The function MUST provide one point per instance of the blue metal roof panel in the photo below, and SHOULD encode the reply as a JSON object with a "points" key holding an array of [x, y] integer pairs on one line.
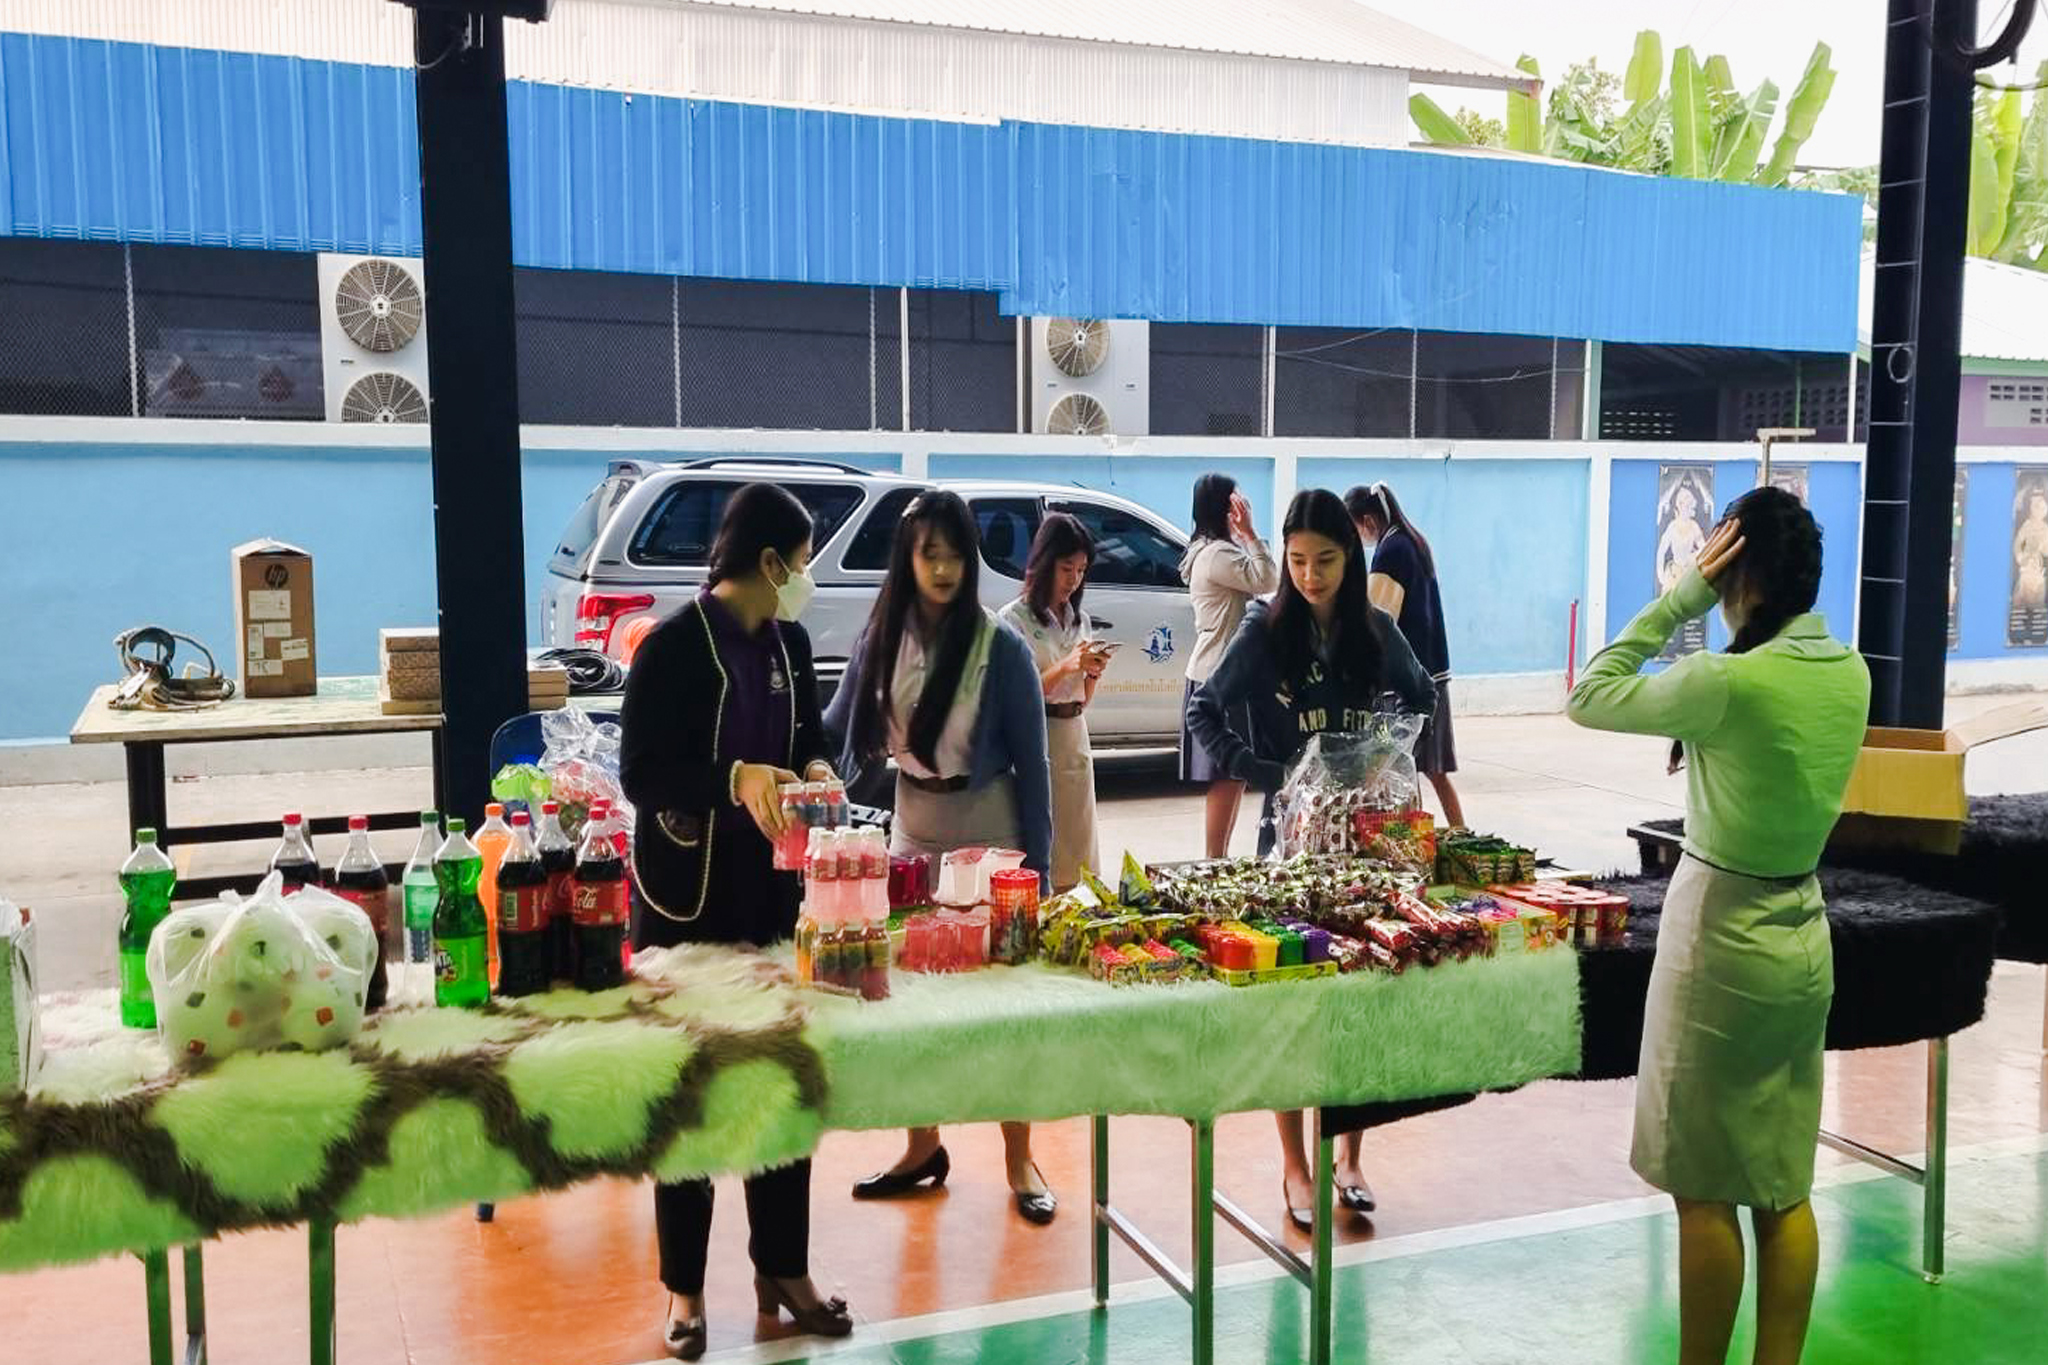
{"points": [[124, 141], [1204, 229]]}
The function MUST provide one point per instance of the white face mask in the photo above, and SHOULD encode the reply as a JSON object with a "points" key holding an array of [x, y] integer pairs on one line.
{"points": [[793, 594]]}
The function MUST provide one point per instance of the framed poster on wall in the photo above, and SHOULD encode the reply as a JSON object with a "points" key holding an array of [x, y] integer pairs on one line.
{"points": [[1685, 509], [1955, 561], [2027, 625], [1793, 479]]}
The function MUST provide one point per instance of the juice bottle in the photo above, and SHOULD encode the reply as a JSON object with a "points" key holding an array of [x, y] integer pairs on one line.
{"points": [[147, 880], [493, 837]]}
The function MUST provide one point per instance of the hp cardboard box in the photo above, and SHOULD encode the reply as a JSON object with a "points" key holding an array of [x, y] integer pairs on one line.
{"points": [[274, 619], [1907, 790]]}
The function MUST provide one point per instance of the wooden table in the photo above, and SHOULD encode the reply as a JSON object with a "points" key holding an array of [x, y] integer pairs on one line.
{"points": [[342, 706]]}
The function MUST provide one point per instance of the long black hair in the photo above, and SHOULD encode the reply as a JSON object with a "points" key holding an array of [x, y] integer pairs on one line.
{"points": [[1778, 571], [1212, 506], [760, 516], [944, 515], [1061, 534], [1378, 502], [1356, 654]]}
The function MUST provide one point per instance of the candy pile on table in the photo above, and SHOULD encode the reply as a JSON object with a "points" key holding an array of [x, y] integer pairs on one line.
{"points": [[1467, 859]]}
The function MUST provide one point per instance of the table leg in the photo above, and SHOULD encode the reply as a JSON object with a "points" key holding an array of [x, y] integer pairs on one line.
{"points": [[1934, 1188], [1321, 1297], [1098, 1165], [156, 1294], [1203, 1243], [148, 801], [320, 1289], [195, 1304]]}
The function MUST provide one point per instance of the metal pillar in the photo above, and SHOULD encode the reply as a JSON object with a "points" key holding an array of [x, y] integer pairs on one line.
{"points": [[1915, 349], [1931, 1178], [1197, 1284], [479, 543], [320, 1289]]}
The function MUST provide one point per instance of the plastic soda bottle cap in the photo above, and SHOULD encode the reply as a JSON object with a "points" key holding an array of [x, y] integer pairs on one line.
{"points": [[358, 823], [493, 808], [145, 836], [550, 808], [457, 825], [520, 817], [293, 818]]}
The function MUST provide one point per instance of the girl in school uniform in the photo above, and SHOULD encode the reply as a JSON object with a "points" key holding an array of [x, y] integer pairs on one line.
{"points": [[950, 693]]}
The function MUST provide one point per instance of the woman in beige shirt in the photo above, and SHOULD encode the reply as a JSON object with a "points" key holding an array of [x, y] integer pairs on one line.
{"points": [[1225, 567]]}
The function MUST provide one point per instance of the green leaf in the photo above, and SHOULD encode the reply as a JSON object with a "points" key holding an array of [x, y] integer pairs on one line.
{"points": [[1802, 112], [1741, 140], [1525, 119], [1987, 208], [1436, 126], [1720, 77], [1691, 131], [2006, 126], [1645, 69]]}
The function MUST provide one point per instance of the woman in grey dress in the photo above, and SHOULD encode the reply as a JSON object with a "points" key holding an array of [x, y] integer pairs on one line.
{"points": [[1728, 1091]]}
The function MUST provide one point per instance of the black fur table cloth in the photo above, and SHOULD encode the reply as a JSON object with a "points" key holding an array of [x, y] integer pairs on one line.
{"points": [[1911, 963], [2003, 862]]}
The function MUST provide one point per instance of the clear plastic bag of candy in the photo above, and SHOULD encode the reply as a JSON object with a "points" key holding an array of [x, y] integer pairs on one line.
{"points": [[263, 973], [581, 759], [1340, 777]]}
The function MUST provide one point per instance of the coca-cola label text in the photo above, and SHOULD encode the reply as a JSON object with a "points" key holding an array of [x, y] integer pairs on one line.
{"points": [[598, 903], [375, 904]]}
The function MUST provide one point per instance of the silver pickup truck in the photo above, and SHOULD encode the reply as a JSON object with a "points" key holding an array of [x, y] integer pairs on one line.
{"points": [[637, 548]]}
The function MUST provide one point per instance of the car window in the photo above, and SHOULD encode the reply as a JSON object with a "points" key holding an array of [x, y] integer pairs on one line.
{"points": [[1129, 552], [679, 530], [870, 546], [580, 535], [1007, 526]]}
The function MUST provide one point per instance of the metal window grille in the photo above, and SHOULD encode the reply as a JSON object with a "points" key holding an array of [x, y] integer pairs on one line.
{"points": [[1207, 379], [963, 362], [1331, 381], [64, 329]]}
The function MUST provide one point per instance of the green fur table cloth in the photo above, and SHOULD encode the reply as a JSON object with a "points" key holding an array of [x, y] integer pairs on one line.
{"points": [[1039, 1043], [701, 1069]]}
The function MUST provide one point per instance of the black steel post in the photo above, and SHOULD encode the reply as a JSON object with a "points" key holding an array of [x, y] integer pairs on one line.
{"points": [[479, 545], [1915, 360]]}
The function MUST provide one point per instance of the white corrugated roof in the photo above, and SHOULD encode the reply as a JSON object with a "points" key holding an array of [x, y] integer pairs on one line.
{"points": [[1339, 31], [2005, 310]]}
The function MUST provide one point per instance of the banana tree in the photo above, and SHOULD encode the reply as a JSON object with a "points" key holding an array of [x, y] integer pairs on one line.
{"points": [[1700, 127]]}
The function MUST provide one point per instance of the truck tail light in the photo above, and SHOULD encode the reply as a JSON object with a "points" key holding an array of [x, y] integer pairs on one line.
{"points": [[598, 613]]}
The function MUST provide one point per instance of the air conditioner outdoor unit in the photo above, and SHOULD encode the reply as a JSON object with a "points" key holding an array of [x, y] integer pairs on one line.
{"points": [[1091, 377], [373, 339]]}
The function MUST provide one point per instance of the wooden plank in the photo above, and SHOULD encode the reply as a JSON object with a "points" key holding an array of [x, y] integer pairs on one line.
{"points": [[342, 706]]}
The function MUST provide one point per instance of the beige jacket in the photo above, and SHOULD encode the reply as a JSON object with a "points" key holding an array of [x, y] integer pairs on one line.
{"points": [[1223, 577]]}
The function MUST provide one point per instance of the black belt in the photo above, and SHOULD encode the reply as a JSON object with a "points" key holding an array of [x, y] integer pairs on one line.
{"points": [[1792, 882], [1063, 710], [936, 786]]}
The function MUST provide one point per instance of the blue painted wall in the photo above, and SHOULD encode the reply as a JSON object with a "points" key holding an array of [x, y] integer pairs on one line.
{"points": [[1834, 494], [1509, 537], [120, 141], [100, 538]]}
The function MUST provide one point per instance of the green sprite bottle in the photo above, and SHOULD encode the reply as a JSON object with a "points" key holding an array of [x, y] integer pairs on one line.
{"points": [[421, 896], [461, 962], [147, 880]]}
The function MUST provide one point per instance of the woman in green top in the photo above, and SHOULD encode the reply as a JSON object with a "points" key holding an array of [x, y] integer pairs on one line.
{"points": [[1729, 1086]]}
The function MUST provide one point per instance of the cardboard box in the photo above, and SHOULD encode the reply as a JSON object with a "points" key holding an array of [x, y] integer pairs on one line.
{"points": [[1907, 790], [274, 620], [21, 1039]]}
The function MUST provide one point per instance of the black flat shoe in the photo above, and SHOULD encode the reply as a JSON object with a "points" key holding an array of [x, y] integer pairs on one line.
{"points": [[889, 1184], [684, 1338], [1358, 1198], [1037, 1207]]}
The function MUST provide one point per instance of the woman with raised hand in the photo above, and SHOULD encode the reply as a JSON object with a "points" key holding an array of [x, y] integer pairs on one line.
{"points": [[1226, 566], [1728, 1090]]}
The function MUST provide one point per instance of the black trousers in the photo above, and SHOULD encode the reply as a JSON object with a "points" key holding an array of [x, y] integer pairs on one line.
{"points": [[778, 1226]]}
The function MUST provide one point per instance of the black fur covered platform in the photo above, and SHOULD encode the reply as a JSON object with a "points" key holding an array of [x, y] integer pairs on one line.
{"points": [[1910, 963], [2003, 862]]}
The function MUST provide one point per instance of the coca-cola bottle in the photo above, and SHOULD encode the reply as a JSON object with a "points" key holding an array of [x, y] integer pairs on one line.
{"points": [[524, 965], [360, 878], [294, 859], [558, 861], [598, 906]]}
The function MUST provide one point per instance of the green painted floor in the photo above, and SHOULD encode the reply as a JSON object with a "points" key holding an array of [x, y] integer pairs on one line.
{"points": [[1596, 1294]]}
